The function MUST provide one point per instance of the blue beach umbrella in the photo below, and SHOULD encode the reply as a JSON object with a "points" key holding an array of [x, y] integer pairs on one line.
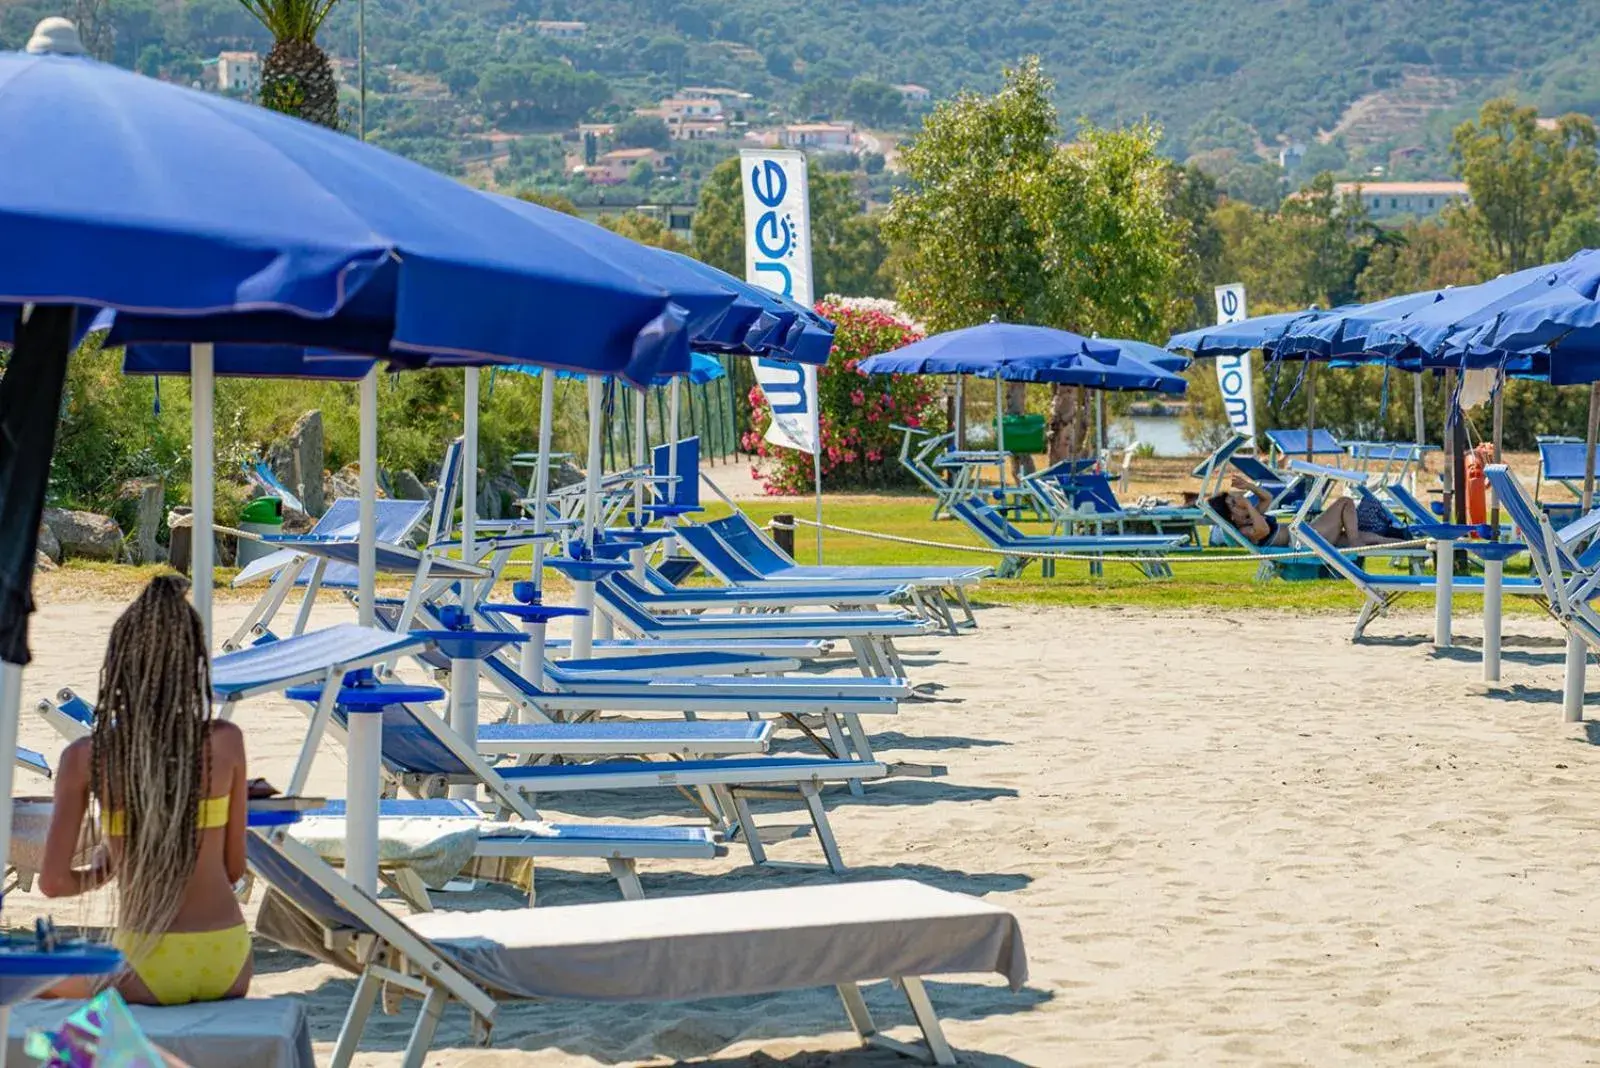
{"points": [[1027, 354], [1235, 339], [202, 220]]}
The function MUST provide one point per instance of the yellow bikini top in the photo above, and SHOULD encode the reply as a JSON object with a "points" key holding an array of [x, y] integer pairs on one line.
{"points": [[213, 815]]}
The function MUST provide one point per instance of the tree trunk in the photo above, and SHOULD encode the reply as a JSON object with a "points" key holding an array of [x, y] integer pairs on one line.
{"points": [[1070, 423], [1017, 404], [297, 79]]}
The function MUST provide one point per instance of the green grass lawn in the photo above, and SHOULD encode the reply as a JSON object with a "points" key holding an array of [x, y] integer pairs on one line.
{"points": [[1214, 579]]}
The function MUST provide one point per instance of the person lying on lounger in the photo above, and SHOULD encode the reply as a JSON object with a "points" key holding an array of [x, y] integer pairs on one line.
{"points": [[1339, 521], [172, 798]]}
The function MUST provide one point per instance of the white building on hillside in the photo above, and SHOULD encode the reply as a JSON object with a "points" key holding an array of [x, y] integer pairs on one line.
{"points": [[239, 72], [914, 94], [1420, 199], [824, 136], [561, 31]]}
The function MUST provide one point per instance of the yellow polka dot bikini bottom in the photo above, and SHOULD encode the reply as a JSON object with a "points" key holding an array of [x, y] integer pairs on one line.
{"points": [[185, 966]]}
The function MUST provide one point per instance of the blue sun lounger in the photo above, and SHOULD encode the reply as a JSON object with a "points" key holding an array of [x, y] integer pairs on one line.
{"points": [[697, 948], [30, 760], [423, 754], [1566, 560], [870, 634], [740, 547], [73, 718], [839, 707], [998, 532], [1074, 496], [769, 597], [294, 565], [1286, 445], [1380, 590]]}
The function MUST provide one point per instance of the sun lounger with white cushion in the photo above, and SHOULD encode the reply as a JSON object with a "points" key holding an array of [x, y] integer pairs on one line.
{"points": [[671, 949]]}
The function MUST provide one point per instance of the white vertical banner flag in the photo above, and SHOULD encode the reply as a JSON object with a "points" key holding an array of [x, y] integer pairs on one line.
{"points": [[777, 256], [1234, 375]]}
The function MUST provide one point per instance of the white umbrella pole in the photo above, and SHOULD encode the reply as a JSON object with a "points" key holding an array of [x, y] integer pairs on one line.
{"points": [[583, 592], [364, 731], [1577, 650], [1493, 566], [533, 650], [641, 454], [464, 673], [202, 454]]}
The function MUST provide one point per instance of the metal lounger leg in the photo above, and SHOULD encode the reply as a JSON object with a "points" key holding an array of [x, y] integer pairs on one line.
{"points": [[626, 874], [267, 607], [819, 820], [427, 1022], [747, 826], [355, 1018], [314, 733], [855, 1007], [927, 1019], [302, 618]]}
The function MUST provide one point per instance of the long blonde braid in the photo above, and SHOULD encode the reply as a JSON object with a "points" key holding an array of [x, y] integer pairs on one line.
{"points": [[148, 753]]}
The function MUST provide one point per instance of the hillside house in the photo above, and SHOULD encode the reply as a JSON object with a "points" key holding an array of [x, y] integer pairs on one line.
{"points": [[239, 72], [561, 31], [818, 136], [1393, 199], [616, 166], [914, 94]]}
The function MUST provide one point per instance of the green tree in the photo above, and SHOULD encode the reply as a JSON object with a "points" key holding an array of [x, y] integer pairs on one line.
{"points": [[646, 230], [643, 131], [297, 77], [875, 104], [1000, 221], [1526, 179]]}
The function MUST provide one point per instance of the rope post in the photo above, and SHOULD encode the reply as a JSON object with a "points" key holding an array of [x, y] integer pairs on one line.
{"points": [[782, 531]]}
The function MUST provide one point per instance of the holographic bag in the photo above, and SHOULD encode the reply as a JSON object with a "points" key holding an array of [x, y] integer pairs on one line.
{"points": [[100, 1034]]}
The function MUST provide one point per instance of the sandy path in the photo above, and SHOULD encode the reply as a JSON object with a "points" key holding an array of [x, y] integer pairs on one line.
{"points": [[1230, 840]]}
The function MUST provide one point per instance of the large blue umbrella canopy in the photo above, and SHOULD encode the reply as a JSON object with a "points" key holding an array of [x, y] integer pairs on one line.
{"points": [[1559, 328], [243, 361], [1444, 332], [1023, 353], [1235, 339], [1342, 334], [166, 203], [1154, 355]]}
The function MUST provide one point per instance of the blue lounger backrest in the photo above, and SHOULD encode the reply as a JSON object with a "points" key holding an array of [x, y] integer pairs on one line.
{"points": [[745, 540], [1293, 442], [262, 667], [285, 876], [1092, 489], [704, 543], [984, 521], [1525, 517], [1562, 461], [444, 497], [1256, 471], [685, 492], [1342, 563]]}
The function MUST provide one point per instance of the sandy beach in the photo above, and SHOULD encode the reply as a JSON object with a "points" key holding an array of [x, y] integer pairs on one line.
{"points": [[1229, 839]]}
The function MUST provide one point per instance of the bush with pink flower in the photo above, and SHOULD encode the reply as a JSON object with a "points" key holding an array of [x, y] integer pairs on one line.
{"points": [[859, 448]]}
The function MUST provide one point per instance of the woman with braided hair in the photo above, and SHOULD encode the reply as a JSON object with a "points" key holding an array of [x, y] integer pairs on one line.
{"points": [[163, 789]]}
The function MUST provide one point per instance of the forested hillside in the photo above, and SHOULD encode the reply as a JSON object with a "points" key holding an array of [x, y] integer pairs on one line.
{"points": [[1385, 76]]}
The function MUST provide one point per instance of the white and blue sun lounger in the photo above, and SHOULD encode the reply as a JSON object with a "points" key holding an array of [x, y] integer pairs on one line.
{"points": [[422, 754], [769, 597], [618, 844], [937, 590], [757, 942], [1382, 590], [999, 534], [871, 634]]}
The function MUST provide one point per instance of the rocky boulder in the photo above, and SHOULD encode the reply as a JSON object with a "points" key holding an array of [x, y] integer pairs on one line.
{"points": [[84, 534], [41, 562], [49, 547], [408, 487], [297, 460]]}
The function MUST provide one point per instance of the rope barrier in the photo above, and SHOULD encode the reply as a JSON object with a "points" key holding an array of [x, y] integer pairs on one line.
{"points": [[1137, 558]]}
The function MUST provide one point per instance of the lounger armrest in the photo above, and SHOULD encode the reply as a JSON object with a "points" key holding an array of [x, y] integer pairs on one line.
{"points": [[1451, 531]]}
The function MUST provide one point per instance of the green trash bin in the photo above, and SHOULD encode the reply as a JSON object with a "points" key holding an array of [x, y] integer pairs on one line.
{"points": [[1024, 433], [264, 515]]}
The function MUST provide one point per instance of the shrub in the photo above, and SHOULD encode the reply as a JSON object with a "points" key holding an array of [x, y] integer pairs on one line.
{"points": [[858, 446]]}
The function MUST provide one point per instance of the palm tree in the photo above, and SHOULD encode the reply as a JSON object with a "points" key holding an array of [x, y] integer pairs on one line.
{"points": [[296, 77]]}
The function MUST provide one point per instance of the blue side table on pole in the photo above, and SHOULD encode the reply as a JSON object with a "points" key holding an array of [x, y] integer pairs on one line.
{"points": [[584, 572], [529, 607], [360, 693], [466, 647]]}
